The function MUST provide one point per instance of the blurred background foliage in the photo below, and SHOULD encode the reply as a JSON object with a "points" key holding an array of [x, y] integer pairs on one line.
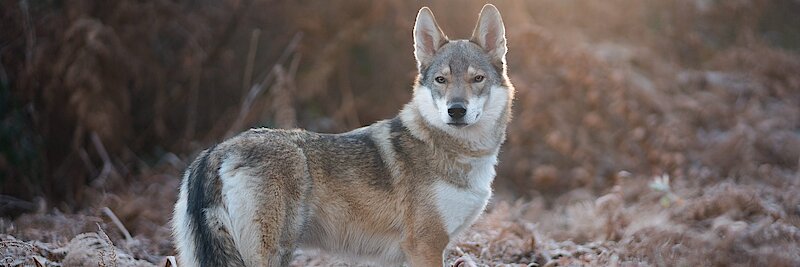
{"points": [[95, 93], [646, 132]]}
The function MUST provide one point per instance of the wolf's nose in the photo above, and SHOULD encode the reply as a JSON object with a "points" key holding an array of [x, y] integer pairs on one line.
{"points": [[456, 111]]}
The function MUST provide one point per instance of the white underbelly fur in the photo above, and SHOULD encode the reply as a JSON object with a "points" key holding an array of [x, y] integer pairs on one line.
{"points": [[459, 207]]}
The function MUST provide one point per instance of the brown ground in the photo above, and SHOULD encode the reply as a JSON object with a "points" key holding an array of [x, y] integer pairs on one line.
{"points": [[645, 132]]}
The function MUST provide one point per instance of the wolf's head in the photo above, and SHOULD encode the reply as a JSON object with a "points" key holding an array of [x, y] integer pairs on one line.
{"points": [[461, 83]]}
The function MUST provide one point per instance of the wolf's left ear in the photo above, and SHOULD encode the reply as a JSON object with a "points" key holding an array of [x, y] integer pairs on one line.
{"points": [[427, 37], [490, 33]]}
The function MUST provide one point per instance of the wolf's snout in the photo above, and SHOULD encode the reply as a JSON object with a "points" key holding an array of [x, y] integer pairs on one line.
{"points": [[456, 111]]}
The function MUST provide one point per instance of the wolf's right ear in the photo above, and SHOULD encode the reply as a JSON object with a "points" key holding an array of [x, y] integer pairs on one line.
{"points": [[428, 37]]}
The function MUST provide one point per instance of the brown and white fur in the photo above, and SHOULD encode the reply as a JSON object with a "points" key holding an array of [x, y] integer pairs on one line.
{"points": [[397, 191]]}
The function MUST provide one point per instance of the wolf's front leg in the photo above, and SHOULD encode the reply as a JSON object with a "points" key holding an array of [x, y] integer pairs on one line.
{"points": [[425, 240]]}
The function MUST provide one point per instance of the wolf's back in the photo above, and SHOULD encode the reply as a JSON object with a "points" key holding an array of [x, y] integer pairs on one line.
{"points": [[201, 237]]}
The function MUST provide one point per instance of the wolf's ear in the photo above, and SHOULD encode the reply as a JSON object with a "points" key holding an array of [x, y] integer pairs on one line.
{"points": [[490, 33], [427, 37]]}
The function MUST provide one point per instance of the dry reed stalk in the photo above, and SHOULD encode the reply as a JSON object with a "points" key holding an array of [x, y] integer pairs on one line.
{"points": [[258, 88]]}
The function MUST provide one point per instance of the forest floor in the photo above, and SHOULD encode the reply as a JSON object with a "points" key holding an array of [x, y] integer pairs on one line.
{"points": [[750, 224]]}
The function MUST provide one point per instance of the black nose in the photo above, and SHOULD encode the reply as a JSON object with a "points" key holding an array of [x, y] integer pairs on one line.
{"points": [[456, 111]]}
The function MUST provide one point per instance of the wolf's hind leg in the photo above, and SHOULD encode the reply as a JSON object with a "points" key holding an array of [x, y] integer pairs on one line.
{"points": [[267, 204]]}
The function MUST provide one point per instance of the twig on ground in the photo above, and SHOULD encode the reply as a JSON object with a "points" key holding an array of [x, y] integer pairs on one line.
{"points": [[108, 166], [118, 223]]}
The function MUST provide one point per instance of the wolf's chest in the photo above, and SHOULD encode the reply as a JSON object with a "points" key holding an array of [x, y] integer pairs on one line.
{"points": [[460, 206]]}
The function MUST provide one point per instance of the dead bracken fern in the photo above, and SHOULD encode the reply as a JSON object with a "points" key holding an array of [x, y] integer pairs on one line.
{"points": [[18, 253]]}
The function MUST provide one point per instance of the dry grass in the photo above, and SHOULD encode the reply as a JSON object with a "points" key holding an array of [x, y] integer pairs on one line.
{"points": [[659, 133]]}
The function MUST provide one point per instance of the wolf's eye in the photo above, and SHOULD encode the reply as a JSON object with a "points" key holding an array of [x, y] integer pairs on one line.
{"points": [[479, 78], [440, 79]]}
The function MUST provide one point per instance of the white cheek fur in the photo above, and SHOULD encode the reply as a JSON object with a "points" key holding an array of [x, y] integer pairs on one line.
{"points": [[490, 108], [441, 105], [474, 110], [430, 112]]}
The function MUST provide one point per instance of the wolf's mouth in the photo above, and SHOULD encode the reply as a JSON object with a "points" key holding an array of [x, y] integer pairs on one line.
{"points": [[457, 124]]}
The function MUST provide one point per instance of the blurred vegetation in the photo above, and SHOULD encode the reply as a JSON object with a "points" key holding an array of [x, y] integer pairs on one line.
{"points": [[95, 92]]}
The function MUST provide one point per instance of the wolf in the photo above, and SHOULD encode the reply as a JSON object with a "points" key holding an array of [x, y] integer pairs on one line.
{"points": [[397, 191]]}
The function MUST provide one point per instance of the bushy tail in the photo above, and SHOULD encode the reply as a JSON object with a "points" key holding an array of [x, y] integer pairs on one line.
{"points": [[202, 239]]}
